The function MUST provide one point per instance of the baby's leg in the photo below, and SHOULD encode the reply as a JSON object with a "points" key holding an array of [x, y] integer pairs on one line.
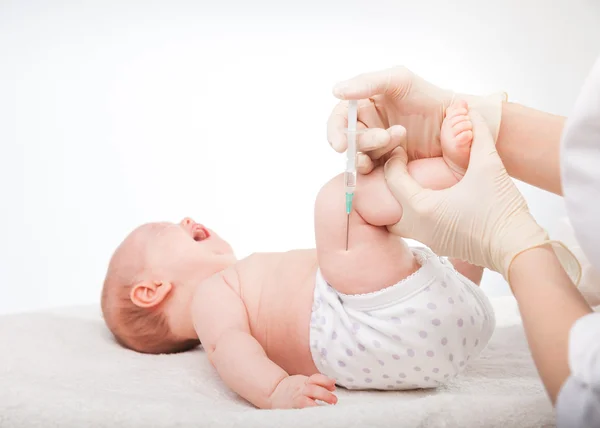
{"points": [[375, 258], [432, 173]]}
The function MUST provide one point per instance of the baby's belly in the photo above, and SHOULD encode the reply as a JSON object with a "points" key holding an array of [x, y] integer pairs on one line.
{"points": [[282, 314], [288, 342]]}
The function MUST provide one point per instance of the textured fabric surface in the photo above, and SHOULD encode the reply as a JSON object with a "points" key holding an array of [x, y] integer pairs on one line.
{"points": [[62, 369]]}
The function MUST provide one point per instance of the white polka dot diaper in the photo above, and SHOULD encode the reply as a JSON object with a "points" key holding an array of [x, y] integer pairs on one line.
{"points": [[418, 333]]}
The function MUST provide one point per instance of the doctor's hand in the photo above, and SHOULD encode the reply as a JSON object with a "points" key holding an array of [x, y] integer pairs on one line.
{"points": [[399, 108], [483, 219]]}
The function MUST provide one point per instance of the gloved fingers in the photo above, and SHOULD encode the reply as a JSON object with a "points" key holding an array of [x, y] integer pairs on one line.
{"points": [[364, 164], [392, 139], [392, 81], [395, 136], [401, 184], [483, 147], [400, 152], [373, 139], [367, 118], [337, 125]]}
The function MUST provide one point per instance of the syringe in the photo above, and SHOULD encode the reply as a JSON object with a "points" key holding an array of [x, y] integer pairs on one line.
{"points": [[350, 173]]}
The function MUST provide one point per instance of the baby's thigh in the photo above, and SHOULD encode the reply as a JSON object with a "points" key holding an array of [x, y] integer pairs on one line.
{"points": [[432, 173]]}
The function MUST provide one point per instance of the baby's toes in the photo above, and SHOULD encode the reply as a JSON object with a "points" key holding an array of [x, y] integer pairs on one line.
{"points": [[460, 126], [461, 120], [456, 144], [464, 139], [458, 108]]}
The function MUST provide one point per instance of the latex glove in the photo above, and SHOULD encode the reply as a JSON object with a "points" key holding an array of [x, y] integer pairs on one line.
{"points": [[297, 392], [399, 108], [483, 219]]}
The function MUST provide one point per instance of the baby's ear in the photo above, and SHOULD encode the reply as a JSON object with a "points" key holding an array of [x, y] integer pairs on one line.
{"points": [[148, 294]]}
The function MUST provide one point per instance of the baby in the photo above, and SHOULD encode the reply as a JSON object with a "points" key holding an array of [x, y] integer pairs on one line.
{"points": [[283, 329]]}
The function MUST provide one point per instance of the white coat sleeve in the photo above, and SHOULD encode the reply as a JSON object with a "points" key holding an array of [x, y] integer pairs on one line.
{"points": [[578, 403], [580, 167]]}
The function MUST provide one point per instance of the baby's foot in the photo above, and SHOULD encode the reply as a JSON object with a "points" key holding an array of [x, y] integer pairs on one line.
{"points": [[456, 137]]}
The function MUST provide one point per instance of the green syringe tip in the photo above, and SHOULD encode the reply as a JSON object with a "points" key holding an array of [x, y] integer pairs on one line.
{"points": [[349, 197]]}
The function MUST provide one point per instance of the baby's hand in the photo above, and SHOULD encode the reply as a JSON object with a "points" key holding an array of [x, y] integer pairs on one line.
{"points": [[297, 392]]}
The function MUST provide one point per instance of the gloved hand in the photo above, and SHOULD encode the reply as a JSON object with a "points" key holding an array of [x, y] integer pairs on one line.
{"points": [[483, 219], [399, 108]]}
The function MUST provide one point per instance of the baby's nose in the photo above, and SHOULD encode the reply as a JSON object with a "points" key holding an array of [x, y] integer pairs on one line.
{"points": [[187, 222]]}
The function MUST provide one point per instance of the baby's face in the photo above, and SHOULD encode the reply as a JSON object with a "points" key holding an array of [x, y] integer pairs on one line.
{"points": [[178, 250]]}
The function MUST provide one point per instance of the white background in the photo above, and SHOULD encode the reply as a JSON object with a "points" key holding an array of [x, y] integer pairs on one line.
{"points": [[118, 113]]}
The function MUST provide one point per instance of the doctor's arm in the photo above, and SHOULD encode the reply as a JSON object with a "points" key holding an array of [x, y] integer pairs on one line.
{"points": [[529, 145], [529, 141], [563, 335], [550, 304]]}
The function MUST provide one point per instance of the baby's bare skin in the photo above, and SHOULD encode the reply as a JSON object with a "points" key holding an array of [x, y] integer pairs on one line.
{"points": [[277, 290], [268, 297], [253, 318]]}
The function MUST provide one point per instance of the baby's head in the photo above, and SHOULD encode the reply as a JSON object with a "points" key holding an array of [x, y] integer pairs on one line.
{"points": [[150, 283]]}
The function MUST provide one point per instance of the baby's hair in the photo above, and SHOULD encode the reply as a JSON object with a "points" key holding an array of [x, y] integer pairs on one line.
{"points": [[144, 330]]}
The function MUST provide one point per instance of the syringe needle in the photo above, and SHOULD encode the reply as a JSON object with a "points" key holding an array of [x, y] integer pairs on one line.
{"points": [[347, 230], [350, 172]]}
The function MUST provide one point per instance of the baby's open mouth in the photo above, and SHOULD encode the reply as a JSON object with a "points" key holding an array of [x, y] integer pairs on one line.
{"points": [[200, 233]]}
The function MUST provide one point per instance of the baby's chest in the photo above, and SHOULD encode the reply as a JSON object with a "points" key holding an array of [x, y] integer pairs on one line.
{"points": [[277, 297], [275, 288], [278, 294]]}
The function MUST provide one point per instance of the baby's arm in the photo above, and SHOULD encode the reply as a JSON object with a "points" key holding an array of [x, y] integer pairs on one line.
{"points": [[375, 258], [221, 322]]}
